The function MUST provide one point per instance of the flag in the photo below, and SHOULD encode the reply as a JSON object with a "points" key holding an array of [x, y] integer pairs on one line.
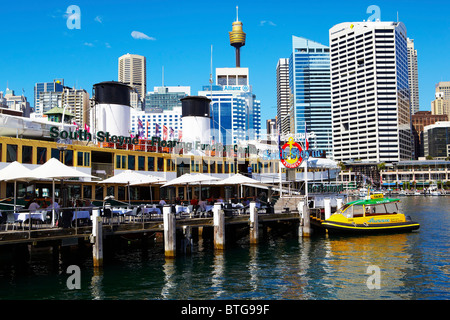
{"points": [[147, 128], [180, 134], [171, 134], [86, 127], [140, 130], [76, 124], [157, 131], [164, 132]]}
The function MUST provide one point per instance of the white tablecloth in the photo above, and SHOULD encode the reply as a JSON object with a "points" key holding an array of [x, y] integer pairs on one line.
{"points": [[121, 211], [208, 208], [152, 210], [180, 209], [81, 215], [22, 216]]}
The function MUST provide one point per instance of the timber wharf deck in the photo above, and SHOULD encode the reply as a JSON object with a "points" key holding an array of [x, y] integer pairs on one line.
{"points": [[112, 227]]}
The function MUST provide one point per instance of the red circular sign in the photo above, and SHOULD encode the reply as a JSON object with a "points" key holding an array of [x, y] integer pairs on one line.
{"points": [[291, 158]]}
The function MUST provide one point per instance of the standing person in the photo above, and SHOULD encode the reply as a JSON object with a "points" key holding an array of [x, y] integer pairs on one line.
{"points": [[54, 205], [162, 202]]}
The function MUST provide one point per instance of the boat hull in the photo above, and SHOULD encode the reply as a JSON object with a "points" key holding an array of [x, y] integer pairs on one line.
{"points": [[342, 227]]}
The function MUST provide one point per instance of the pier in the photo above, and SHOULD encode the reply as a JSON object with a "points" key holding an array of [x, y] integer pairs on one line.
{"points": [[176, 229]]}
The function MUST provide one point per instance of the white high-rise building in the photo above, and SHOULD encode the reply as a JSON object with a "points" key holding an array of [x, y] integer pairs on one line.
{"points": [[369, 92], [413, 78], [77, 103], [133, 71], [283, 95], [235, 111]]}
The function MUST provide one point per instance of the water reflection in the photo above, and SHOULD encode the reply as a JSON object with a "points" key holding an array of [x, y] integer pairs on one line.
{"points": [[217, 276], [97, 285], [253, 268], [169, 282]]}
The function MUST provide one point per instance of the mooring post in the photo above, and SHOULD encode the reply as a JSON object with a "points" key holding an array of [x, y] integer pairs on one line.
{"points": [[254, 229], [219, 227], [306, 221], [170, 242], [97, 238], [327, 207], [339, 203]]}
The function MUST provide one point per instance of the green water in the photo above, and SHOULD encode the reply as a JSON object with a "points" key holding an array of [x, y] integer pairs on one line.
{"points": [[412, 266]]}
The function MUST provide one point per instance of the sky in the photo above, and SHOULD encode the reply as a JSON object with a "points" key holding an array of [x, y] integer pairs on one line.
{"points": [[38, 45]]}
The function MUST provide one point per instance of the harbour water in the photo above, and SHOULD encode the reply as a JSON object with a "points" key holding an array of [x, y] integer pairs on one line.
{"points": [[412, 266]]}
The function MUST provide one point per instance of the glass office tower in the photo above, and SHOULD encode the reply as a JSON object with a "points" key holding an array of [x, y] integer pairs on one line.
{"points": [[310, 103], [56, 86]]}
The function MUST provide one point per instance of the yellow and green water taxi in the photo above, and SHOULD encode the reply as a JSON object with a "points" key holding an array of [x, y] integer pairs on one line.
{"points": [[375, 214]]}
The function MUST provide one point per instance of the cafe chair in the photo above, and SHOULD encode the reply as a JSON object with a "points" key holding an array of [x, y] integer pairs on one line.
{"points": [[10, 219]]}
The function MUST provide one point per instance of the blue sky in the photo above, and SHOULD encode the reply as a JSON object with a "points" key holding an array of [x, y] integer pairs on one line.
{"points": [[37, 45]]}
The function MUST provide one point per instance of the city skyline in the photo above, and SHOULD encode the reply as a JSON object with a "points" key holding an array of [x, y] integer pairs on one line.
{"points": [[179, 41]]}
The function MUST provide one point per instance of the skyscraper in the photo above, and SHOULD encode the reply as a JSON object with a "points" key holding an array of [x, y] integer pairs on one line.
{"points": [[413, 78], [56, 86], [235, 111], [133, 71], [77, 103], [369, 91], [283, 95], [444, 87], [309, 82]]}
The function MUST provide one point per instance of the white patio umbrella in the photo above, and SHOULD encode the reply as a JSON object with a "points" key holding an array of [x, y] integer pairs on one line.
{"points": [[55, 169], [126, 177], [191, 178], [239, 179], [17, 172]]}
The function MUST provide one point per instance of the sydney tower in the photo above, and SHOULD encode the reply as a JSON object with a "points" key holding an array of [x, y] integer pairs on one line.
{"points": [[237, 39]]}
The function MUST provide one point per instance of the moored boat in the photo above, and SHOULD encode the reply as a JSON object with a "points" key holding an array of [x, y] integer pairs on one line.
{"points": [[374, 215]]}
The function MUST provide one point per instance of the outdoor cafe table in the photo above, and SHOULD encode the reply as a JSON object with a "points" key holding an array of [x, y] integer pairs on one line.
{"points": [[180, 209], [81, 215], [121, 211], [22, 216], [152, 210]]}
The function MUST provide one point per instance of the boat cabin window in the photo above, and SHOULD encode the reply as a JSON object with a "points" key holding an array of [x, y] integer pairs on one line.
{"points": [[151, 163], [41, 155], [11, 152], [27, 154]]}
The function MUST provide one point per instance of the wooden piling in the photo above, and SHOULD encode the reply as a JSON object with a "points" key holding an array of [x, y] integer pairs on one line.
{"points": [[170, 242], [254, 228], [97, 238], [327, 207], [219, 227], [307, 230]]}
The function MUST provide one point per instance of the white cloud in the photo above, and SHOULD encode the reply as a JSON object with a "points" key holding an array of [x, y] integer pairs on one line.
{"points": [[88, 44], [140, 35], [98, 19], [107, 45], [268, 22]]}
